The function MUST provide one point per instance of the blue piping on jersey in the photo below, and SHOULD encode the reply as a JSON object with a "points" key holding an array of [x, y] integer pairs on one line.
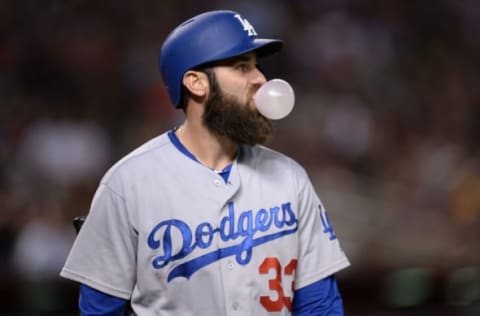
{"points": [[225, 173], [176, 142]]}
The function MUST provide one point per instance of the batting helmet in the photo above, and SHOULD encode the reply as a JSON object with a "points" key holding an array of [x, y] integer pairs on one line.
{"points": [[208, 37]]}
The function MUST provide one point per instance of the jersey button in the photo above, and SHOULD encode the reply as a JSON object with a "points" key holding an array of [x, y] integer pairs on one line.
{"points": [[236, 306], [217, 182], [230, 265]]}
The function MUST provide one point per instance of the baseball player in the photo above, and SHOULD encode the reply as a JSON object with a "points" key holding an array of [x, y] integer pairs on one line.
{"points": [[203, 219]]}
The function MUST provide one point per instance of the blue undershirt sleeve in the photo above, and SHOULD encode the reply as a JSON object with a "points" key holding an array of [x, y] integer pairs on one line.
{"points": [[94, 303], [318, 299]]}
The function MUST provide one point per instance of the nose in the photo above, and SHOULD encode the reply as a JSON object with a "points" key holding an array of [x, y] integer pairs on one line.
{"points": [[258, 77]]}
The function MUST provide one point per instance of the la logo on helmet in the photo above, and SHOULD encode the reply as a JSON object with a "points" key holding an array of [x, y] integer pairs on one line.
{"points": [[246, 25]]}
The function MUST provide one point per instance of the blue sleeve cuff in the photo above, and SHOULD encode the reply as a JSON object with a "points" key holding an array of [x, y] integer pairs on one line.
{"points": [[318, 299], [95, 303]]}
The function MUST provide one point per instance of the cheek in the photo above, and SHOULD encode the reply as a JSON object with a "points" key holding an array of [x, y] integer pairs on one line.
{"points": [[234, 87], [238, 90], [240, 93]]}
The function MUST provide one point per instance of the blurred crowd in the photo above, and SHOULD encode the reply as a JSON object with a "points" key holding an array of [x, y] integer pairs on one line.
{"points": [[386, 121]]}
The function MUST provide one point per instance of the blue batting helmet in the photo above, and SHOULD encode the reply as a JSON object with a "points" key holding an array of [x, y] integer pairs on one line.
{"points": [[208, 37]]}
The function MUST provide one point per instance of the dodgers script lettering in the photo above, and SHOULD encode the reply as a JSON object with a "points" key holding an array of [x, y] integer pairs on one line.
{"points": [[244, 228]]}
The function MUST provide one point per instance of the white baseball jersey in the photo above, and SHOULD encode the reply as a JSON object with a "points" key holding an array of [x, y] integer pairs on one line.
{"points": [[170, 235]]}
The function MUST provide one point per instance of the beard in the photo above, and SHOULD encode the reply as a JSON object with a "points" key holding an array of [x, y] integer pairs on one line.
{"points": [[226, 116]]}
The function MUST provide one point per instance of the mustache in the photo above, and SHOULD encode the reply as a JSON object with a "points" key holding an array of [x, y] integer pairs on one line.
{"points": [[226, 116]]}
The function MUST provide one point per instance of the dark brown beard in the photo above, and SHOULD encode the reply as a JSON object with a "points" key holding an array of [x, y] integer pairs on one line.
{"points": [[225, 116]]}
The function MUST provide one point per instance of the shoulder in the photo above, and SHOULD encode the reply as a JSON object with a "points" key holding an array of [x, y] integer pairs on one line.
{"points": [[262, 157], [142, 158]]}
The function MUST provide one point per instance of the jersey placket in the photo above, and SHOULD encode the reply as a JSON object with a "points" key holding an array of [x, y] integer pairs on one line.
{"points": [[229, 268]]}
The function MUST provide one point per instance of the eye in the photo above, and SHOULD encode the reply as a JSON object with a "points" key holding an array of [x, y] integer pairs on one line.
{"points": [[243, 67]]}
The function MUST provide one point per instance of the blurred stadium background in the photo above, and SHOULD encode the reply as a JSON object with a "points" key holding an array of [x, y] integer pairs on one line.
{"points": [[387, 122]]}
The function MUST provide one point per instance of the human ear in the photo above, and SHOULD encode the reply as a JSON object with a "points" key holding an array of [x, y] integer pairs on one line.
{"points": [[196, 83]]}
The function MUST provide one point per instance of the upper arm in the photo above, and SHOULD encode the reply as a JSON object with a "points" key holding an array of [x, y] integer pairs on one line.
{"points": [[92, 302], [318, 299], [320, 254], [104, 252]]}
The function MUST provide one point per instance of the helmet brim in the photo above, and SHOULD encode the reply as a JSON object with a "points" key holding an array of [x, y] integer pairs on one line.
{"points": [[262, 47]]}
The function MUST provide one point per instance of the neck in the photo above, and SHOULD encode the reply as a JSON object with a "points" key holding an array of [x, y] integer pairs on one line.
{"points": [[211, 150]]}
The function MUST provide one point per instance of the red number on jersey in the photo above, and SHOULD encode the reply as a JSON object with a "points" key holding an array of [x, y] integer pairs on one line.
{"points": [[275, 284]]}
